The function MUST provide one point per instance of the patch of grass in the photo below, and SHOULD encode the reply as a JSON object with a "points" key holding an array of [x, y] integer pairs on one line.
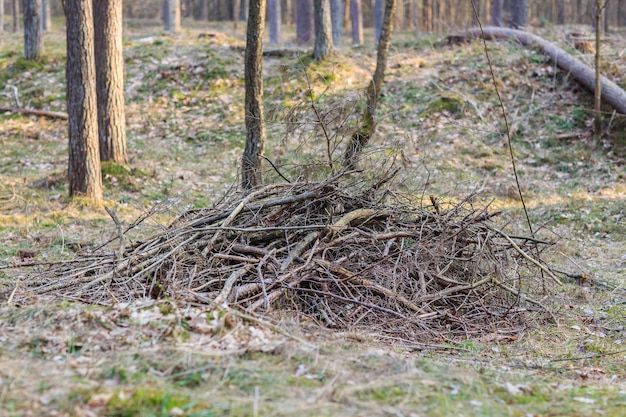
{"points": [[146, 401]]}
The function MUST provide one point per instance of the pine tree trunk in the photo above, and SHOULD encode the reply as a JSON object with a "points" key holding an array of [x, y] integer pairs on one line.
{"points": [[323, 38], [251, 174], [519, 13], [336, 20], [171, 15], [33, 36], [304, 22], [46, 15], [1, 16], [560, 12], [85, 176], [496, 13], [356, 17], [15, 10], [361, 137], [203, 10], [379, 11], [274, 20], [110, 80]]}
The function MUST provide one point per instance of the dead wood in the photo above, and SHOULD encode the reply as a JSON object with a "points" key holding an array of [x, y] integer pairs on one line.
{"points": [[34, 112], [611, 93], [328, 251]]}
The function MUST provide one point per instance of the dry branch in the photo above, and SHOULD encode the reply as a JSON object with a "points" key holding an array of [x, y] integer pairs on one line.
{"points": [[34, 112], [611, 92], [328, 251]]}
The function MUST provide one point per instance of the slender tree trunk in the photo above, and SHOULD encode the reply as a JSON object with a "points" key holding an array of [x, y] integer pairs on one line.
{"points": [[361, 137], [597, 125], [304, 22], [84, 160], [251, 174], [519, 13], [171, 15], [110, 80], [33, 36], [1, 16], [203, 10], [243, 10], [560, 12], [274, 19], [336, 20], [379, 11], [323, 38], [427, 12], [46, 15], [15, 10], [496, 13], [356, 17]]}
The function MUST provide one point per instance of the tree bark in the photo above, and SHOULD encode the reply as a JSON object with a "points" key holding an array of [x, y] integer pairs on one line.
{"points": [[46, 15], [85, 176], [274, 19], [251, 174], [323, 38], [560, 12], [597, 125], [612, 94], [379, 11], [15, 10], [203, 14], [110, 80], [361, 137], [33, 36], [171, 15], [356, 17], [519, 13], [304, 22], [1, 16], [336, 20], [496, 13]]}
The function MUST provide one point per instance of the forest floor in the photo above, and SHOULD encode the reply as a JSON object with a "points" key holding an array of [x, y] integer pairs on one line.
{"points": [[439, 121]]}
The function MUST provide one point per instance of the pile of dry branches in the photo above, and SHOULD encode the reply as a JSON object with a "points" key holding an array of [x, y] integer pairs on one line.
{"points": [[341, 253]]}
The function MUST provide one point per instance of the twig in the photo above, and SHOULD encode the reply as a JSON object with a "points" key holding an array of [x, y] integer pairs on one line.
{"points": [[34, 112]]}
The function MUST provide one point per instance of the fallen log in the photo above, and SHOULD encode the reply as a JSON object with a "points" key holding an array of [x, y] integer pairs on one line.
{"points": [[42, 113], [611, 93]]}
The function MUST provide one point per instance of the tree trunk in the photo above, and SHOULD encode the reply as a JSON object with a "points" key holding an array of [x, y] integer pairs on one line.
{"points": [[84, 160], [356, 17], [1, 16], [496, 13], [304, 22], [560, 12], [427, 12], [336, 20], [379, 10], [203, 11], [519, 13], [251, 174], [274, 19], [611, 93], [108, 25], [171, 15], [597, 125], [46, 15], [323, 38], [33, 36], [361, 137], [243, 10], [15, 10]]}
